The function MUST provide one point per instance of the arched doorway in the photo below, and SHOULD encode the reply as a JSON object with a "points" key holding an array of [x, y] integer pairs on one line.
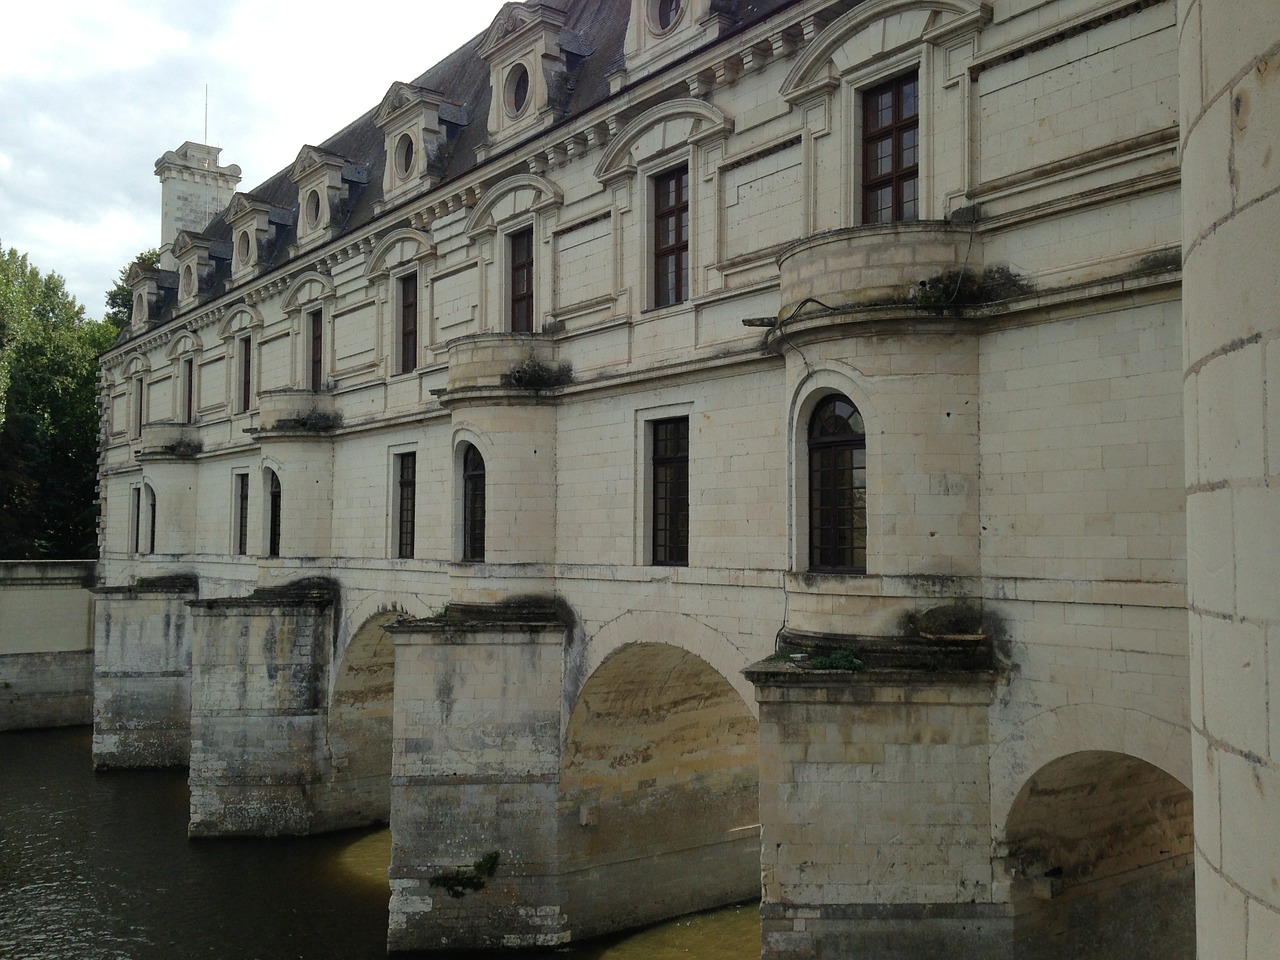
{"points": [[1100, 858], [659, 791]]}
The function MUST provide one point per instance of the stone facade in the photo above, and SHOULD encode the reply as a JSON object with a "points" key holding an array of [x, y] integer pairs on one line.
{"points": [[534, 366]]}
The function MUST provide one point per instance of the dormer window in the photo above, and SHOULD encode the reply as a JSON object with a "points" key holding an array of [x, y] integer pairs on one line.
{"points": [[328, 186], [414, 133], [256, 225], [532, 59], [660, 32], [196, 254]]}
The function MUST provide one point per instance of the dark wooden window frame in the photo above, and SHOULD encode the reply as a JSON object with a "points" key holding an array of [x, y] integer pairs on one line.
{"points": [[473, 504], [406, 503], [188, 389], [891, 149], [837, 447], [245, 396], [520, 280], [670, 500], [671, 237], [242, 514], [315, 332], [139, 393], [408, 322], [136, 509], [275, 503]]}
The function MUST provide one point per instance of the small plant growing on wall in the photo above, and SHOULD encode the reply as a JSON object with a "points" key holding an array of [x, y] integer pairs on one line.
{"points": [[458, 883], [534, 375], [960, 619]]}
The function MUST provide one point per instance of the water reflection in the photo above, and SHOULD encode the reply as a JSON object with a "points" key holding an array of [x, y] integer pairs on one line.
{"points": [[98, 867]]}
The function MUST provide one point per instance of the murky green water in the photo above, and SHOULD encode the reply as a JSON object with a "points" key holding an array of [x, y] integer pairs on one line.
{"points": [[98, 867]]}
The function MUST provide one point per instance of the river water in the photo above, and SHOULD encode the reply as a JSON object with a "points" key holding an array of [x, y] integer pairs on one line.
{"points": [[99, 867]]}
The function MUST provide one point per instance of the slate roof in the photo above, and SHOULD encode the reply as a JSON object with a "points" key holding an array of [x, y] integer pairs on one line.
{"points": [[598, 26]]}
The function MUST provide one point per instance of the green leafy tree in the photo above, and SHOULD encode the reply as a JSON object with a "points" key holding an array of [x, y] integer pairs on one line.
{"points": [[48, 416], [120, 297]]}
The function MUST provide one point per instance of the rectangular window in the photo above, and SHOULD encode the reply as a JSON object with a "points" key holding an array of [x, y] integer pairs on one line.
{"points": [[521, 281], [315, 324], [671, 237], [408, 323], [135, 520], [245, 393], [188, 389], [242, 514], [890, 151], [406, 502], [138, 389], [671, 491]]}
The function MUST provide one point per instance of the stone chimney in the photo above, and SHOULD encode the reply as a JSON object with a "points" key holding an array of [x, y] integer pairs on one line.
{"points": [[193, 190]]}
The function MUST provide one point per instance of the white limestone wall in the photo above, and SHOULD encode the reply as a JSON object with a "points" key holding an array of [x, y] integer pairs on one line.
{"points": [[1230, 89]]}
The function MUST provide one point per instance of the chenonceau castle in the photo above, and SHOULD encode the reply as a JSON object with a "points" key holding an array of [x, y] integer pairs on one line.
{"points": [[673, 452]]}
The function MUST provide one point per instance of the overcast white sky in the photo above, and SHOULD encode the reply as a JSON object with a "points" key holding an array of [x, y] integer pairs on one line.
{"points": [[93, 91]]}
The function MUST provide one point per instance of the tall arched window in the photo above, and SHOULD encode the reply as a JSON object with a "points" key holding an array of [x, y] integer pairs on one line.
{"points": [[837, 487], [273, 514], [472, 504]]}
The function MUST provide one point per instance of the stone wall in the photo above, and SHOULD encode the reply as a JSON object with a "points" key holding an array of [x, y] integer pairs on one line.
{"points": [[46, 643], [1229, 83]]}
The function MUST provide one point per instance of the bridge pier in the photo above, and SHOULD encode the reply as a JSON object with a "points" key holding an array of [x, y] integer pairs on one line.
{"points": [[475, 771], [875, 811], [142, 673], [260, 668]]}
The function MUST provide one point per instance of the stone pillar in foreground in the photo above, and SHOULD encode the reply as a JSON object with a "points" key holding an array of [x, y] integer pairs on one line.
{"points": [[260, 668], [875, 814], [475, 780], [1229, 68]]}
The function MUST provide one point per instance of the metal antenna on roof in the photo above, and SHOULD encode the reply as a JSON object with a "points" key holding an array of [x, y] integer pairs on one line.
{"points": [[206, 113]]}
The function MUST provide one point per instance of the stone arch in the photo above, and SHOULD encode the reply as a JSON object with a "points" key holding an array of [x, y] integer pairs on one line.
{"points": [[659, 784], [137, 365], [306, 288], [359, 721], [1082, 728], [1098, 854], [184, 342], [545, 194], [904, 22], [640, 626], [707, 123], [397, 247], [242, 317]]}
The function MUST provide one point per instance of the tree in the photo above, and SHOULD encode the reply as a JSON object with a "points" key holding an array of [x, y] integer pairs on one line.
{"points": [[120, 297], [48, 416]]}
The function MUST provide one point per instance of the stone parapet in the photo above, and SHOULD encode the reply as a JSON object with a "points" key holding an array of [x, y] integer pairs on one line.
{"points": [[887, 263]]}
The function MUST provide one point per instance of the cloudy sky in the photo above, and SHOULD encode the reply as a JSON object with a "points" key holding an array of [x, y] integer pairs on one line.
{"points": [[93, 91]]}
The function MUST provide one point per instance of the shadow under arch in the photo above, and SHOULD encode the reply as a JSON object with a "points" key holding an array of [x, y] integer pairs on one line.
{"points": [[360, 720], [659, 787], [1099, 855]]}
